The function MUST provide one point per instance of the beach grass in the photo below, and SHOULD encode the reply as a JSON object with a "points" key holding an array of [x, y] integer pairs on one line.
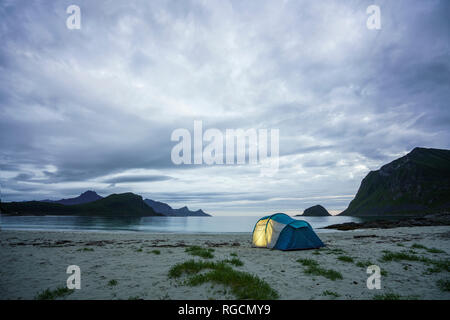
{"points": [[243, 285], [334, 251], [112, 283], [437, 265], [444, 285], [393, 296], [387, 296], [346, 259], [200, 252], [233, 254], [235, 261], [330, 293], [364, 264], [313, 268], [400, 256], [430, 250], [53, 294], [157, 252]]}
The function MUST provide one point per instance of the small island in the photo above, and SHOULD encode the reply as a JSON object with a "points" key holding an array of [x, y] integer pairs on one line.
{"points": [[315, 211]]}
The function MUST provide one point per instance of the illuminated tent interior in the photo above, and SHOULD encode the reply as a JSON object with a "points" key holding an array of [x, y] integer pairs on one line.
{"points": [[279, 231]]}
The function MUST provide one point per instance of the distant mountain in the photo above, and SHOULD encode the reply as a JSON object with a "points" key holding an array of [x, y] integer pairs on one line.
{"points": [[85, 197], [159, 207], [185, 212], [125, 204], [167, 210], [315, 211], [416, 183]]}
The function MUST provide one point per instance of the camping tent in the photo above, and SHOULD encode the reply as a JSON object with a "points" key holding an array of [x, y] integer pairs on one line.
{"points": [[279, 231]]}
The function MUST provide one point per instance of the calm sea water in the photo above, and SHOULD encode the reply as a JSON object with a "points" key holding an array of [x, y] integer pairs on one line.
{"points": [[219, 224]]}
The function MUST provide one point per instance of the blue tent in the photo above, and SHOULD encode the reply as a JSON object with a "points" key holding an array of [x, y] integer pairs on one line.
{"points": [[279, 231]]}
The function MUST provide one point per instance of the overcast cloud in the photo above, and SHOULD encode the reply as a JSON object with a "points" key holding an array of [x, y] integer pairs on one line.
{"points": [[95, 108]]}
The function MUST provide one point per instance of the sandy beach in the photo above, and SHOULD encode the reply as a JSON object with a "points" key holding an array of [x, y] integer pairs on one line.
{"points": [[126, 265]]}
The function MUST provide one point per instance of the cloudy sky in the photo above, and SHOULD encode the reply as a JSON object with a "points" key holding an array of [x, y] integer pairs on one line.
{"points": [[94, 108]]}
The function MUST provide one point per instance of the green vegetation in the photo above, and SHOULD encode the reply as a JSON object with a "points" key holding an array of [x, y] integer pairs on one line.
{"points": [[430, 250], [139, 250], [200, 252], [85, 249], [53, 294], [345, 258], [387, 296], [434, 250], [437, 265], [418, 246], [364, 264], [155, 252], [242, 284], [234, 261], [444, 284], [312, 267], [112, 283], [393, 296], [398, 256], [330, 293], [233, 254], [334, 251]]}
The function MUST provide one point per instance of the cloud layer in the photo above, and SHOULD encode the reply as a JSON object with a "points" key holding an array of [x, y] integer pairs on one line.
{"points": [[95, 108]]}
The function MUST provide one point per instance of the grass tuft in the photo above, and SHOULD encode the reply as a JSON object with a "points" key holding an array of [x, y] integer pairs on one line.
{"points": [[330, 293], [345, 258], [200, 252], [444, 284], [364, 264], [438, 265], [155, 252], [387, 296], [235, 261], [112, 282], [312, 267], [430, 250], [393, 296], [334, 251], [53, 294], [242, 284]]}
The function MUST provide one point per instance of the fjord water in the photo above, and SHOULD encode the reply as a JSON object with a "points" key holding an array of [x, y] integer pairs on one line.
{"points": [[216, 224]]}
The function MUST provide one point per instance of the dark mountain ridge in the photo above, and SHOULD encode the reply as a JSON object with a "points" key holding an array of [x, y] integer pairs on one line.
{"points": [[417, 183], [85, 197], [124, 204], [167, 210], [90, 203]]}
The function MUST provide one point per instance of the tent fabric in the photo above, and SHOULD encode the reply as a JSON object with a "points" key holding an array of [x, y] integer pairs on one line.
{"points": [[279, 231]]}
